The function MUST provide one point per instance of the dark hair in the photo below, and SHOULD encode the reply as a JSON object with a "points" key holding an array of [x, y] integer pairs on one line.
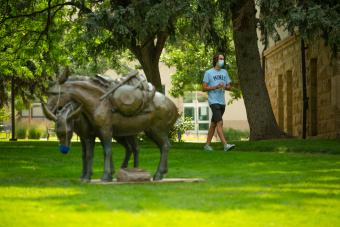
{"points": [[215, 58]]}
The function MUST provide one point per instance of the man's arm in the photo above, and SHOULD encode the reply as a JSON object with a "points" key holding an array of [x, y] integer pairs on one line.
{"points": [[210, 88]]}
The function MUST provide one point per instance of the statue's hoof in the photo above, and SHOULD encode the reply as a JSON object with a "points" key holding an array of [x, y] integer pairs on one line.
{"points": [[106, 179], [85, 180], [157, 177]]}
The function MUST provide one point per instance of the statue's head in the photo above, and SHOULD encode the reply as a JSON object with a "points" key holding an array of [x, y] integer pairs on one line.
{"points": [[64, 123], [57, 99]]}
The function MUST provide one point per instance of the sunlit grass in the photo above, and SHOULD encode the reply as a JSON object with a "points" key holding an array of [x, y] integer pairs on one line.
{"points": [[246, 187]]}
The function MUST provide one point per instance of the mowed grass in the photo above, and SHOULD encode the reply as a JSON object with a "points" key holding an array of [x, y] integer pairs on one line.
{"points": [[268, 183]]}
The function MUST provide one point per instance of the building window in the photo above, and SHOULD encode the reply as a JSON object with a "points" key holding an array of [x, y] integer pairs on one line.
{"points": [[203, 113], [189, 112], [197, 108]]}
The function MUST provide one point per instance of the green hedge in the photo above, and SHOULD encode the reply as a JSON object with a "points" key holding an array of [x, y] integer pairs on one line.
{"points": [[21, 132], [236, 135], [34, 133]]}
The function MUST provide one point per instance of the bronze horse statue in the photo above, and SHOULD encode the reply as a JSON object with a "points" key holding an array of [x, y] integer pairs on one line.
{"points": [[155, 123], [69, 118]]}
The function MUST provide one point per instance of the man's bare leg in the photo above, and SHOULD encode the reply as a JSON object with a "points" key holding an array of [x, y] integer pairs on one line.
{"points": [[211, 132], [220, 133]]}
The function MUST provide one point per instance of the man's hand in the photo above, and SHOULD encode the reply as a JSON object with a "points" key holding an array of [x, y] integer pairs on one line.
{"points": [[228, 87], [208, 88], [220, 85]]}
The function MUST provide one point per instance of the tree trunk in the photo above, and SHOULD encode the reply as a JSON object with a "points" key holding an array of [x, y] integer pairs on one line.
{"points": [[150, 66], [260, 115], [148, 56]]}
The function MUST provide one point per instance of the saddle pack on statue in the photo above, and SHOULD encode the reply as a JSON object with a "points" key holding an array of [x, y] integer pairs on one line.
{"points": [[130, 95]]}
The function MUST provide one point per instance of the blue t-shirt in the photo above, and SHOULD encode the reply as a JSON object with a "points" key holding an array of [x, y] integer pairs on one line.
{"points": [[213, 77]]}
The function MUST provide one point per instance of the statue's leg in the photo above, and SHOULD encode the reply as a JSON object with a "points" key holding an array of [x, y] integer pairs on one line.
{"points": [[83, 156], [162, 141], [89, 158], [132, 148], [123, 141], [135, 150], [108, 165]]}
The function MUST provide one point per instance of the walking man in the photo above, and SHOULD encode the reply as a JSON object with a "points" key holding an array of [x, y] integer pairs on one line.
{"points": [[216, 80]]}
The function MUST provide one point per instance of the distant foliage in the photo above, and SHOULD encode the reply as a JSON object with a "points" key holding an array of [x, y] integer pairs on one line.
{"points": [[311, 19], [34, 133], [4, 114], [21, 132], [236, 135], [180, 127]]}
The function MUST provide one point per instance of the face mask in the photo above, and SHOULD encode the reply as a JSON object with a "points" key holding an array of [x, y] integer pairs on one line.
{"points": [[220, 63]]}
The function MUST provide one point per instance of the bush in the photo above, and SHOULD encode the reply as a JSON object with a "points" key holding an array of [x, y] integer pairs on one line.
{"points": [[44, 134], [180, 127], [34, 133], [235, 135], [21, 132]]}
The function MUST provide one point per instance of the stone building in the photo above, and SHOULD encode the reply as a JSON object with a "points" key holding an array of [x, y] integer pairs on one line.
{"points": [[284, 82]]}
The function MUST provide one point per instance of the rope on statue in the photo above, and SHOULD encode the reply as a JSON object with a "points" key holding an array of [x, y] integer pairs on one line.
{"points": [[112, 89]]}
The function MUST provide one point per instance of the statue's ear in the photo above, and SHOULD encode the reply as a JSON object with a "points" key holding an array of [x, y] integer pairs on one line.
{"points": [[64, 76], [48, 113]]}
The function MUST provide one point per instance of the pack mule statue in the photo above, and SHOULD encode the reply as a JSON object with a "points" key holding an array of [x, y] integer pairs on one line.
{"points": [[155, 119], [69, 118]]}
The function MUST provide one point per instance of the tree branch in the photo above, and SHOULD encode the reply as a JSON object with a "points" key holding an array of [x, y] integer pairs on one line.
{"points": [[77, 4], [161, 39], [136, 50]]}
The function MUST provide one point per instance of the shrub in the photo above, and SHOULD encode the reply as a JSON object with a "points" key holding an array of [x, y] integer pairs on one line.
{"points": [[34, 133], [21, 132], [44, 134], [234, 134], [180, 127]]}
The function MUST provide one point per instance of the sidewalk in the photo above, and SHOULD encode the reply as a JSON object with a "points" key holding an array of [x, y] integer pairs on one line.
{"points": [[198, 138]]}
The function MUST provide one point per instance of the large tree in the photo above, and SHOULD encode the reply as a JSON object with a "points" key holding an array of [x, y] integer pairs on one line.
{"points": [[260, 115], [107, 26]]}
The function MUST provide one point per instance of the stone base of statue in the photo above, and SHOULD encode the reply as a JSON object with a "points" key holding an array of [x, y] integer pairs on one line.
{"points": [[151, 181], [133, 175]]}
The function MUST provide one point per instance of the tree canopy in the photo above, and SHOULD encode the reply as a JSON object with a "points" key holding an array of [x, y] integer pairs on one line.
{"points": [[37, 36], [311, 19]]}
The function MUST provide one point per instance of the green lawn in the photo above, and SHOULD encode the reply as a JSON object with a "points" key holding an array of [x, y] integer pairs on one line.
{"points": [[269, 183]]}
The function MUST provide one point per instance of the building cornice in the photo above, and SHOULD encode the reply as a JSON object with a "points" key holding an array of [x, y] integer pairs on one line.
{"points": [[280, 45]]}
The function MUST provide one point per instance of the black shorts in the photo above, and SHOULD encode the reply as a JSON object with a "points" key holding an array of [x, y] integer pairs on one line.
{"points": [[217, 112]]}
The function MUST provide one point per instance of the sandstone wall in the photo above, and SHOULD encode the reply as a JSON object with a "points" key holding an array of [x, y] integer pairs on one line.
{"points": [[284, 83]]}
